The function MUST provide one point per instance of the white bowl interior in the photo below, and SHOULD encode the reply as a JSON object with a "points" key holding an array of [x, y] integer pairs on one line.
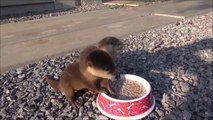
{"points": [[133, 78]]}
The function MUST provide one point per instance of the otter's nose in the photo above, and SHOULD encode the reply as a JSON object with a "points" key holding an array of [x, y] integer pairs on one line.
{"points": [[116, 75], [115, 72]]}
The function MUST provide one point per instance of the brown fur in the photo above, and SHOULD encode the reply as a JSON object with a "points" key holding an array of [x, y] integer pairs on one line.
{"points": [[111, 45], [77, 76]]}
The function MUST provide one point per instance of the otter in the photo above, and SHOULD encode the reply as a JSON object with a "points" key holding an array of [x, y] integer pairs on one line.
{"points": [[95, 65], [111, 45]]}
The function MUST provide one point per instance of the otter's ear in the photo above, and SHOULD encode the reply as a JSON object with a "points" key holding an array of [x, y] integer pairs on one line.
{"points": [[89, 63], [99, 45]]}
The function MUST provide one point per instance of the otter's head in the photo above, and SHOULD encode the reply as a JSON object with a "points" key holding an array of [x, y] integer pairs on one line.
{"points": [[100, 64], [110, 44]]}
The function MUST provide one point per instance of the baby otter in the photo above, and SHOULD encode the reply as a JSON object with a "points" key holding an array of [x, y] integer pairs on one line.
{"points": [[102, 83], [111, 45], [95, 65]]}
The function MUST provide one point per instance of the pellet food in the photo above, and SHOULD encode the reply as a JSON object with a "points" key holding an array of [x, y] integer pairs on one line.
{"points": [[127, 89]]}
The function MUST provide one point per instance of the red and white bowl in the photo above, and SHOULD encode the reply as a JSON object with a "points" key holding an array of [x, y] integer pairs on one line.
{"points": [[127, 109]]}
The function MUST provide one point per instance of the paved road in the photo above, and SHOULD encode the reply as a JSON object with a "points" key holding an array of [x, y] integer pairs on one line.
{"points": [[30, 41]]}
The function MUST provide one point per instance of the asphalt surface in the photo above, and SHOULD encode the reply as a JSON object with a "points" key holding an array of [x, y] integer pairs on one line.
{"points": [[30, 41]]}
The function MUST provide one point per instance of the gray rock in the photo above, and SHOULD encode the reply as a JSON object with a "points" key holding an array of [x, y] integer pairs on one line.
{"points": [[21, 76], [7, 91], [67, 109], [94, 104], [88, 104], [153, 115], [160, 113], [3, 112], [13, 97], [21, 113], [175, 82], [183, 106], [85, 118], [20, 70], [179, 102], [20, 94], [187, 115], [102, 117], [78, 118], [81, 110], [184, 86], [8, 98], [25, 84], [41, 114], [171, 116], [56, 77], [185, 78], [165, 100], [37, 99], [209, 113], [72, 115], [67, 116], [90, 113], [37, 85]]}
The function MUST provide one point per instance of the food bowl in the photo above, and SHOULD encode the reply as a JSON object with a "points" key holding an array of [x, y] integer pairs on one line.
{"points": [[127, 109]]}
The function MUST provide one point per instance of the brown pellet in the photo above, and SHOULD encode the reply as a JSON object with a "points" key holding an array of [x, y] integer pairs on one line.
{"points": [[127, 89]]}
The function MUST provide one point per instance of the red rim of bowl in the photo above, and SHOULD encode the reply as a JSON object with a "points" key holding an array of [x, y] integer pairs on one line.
{"points": [[139, 79], [140, 116]]}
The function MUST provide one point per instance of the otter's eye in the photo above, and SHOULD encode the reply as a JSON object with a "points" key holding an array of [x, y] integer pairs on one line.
{"points": [[112, 43], [107, 68]]}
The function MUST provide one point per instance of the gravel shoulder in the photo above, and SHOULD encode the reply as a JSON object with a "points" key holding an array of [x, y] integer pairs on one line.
{"points": [[176, 59]]}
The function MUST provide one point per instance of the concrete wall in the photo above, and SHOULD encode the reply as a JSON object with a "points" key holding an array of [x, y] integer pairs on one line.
{"points": [[22, 2], [66, 4], [10, 7]]}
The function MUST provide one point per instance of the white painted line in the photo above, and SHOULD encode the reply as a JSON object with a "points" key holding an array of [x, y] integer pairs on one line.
{"points": [[49, 31], [167, 15], [8, 36], [132, 5], [119, 4]]}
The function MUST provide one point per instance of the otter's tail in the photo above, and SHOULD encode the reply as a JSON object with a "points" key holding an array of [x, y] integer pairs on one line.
{"points": [[53, 83]]}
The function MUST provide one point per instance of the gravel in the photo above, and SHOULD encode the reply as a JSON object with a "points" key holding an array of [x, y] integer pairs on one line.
{"points": [[176, 59]]}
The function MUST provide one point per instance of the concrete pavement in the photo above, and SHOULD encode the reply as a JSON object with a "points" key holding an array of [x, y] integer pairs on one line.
{"points": [[30, 41]]}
